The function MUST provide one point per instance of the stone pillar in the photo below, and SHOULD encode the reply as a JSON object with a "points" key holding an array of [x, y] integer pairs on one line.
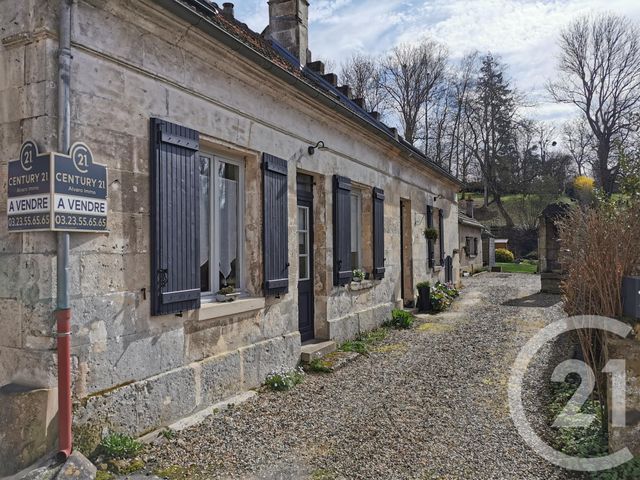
{"points": [[289, 25], [28, 429]]}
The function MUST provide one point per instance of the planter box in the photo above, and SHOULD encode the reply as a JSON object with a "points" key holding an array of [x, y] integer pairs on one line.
{"points": [[424, 299]]}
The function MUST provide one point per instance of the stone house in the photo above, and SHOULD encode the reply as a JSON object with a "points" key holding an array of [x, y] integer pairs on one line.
{"points": [[234, 162], [471, 233]]}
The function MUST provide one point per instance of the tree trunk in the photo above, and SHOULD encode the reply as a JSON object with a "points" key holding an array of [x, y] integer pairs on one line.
{"points": [[604, 177], [507, 218]]}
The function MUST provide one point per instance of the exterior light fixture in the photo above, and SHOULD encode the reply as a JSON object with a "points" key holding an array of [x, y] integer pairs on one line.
{"points": [[319, 145]]}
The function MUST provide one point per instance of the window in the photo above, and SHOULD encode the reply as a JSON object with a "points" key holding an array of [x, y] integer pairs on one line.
{"points": [[303, 243], [475, 245], [467, 246], [356, 229], [221, 223]]}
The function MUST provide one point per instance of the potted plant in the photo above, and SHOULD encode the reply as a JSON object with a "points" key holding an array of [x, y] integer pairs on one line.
{"points": [[430, 233], [358, 275], [226, 294], [424, 296]]}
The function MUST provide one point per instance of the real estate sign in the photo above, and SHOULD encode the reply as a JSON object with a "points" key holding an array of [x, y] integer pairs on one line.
{"points": [[53, 191]]}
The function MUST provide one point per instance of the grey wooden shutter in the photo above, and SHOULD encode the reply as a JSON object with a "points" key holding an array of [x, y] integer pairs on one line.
{"points": [[175, 195], [342, 273], [430, 253], [378, 233], [275, 233], [441, 235]]}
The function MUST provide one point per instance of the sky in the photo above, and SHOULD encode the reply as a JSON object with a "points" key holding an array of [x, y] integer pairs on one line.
{"points": [[523, 33]]}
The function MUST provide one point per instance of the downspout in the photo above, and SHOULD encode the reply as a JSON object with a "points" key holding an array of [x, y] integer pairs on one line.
{"points": [[63, 311]]}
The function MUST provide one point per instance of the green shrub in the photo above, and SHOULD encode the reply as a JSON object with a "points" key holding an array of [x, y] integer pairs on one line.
{"points": [[423, 285], [119, 445], [430, 233], [504, 256], [401, 319], [281, 380]]}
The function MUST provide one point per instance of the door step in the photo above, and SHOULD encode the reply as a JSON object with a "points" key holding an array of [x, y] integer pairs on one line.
{"points": [[318, 349]]}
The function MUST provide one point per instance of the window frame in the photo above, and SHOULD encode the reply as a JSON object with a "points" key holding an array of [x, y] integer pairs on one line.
{"points": [[214, 246], [358, 194]]}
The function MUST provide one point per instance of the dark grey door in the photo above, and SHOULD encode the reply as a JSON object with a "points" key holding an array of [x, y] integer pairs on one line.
{"points": [[305, 257]]}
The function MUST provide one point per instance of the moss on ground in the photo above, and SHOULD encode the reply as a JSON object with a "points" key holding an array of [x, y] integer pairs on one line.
{"points": [[434, 328]]}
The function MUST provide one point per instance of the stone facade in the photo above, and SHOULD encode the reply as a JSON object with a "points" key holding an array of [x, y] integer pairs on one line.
{"points": [[133, 60]]}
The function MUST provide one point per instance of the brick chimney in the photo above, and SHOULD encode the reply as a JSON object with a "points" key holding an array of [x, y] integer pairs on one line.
{"points": [[469, 202], [289, 26]]}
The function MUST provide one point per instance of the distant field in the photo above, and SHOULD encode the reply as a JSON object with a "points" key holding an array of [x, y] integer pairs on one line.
{"points": [[524, 209], [518, 267]]}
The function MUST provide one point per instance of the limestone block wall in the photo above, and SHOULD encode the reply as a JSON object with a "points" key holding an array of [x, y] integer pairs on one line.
{"points": [[132, 61]]}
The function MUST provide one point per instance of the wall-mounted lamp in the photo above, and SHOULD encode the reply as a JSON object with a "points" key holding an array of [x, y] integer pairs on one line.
{"points": [[319, 145], [437, 197]]}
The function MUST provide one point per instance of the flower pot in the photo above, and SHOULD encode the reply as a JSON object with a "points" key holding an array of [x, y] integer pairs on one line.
{"points": [[229, 297], [424, 299]]}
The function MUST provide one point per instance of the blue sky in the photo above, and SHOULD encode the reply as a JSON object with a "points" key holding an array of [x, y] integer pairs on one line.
{"points": [[522, 32]]}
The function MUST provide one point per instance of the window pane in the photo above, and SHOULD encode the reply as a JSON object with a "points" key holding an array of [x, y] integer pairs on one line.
{"points": [[227, 191], [205, 224], [303, 245], [302, 218]]}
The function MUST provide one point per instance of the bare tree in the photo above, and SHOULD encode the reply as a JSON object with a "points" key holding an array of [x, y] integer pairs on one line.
{"points": [[362, 73], [600, 74], [409, 73], [580, 144]]}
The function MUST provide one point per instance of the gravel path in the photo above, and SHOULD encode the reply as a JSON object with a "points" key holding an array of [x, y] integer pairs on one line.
{"points": [[431, 403]]}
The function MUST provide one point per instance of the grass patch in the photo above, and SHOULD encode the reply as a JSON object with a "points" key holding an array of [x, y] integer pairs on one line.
{"points": [[400, 319], [119, 446], [518, 267], [365, 341], [318, 365]]}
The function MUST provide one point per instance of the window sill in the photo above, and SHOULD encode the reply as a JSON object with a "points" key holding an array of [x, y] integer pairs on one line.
{"points": [[437, 268], [218, 309], [363, 285]]}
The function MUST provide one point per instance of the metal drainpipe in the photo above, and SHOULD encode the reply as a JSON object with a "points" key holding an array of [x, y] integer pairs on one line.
{"points": [[63, 311]]}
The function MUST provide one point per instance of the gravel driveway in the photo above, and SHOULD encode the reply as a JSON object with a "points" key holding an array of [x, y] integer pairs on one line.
{"points": [[430, 403]]}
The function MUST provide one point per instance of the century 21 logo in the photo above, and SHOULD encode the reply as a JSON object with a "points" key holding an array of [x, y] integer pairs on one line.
{"points": [[26, 159], [81, 158]]}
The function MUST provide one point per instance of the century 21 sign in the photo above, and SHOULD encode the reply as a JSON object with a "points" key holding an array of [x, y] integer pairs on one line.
{"points": [[52, 191]]}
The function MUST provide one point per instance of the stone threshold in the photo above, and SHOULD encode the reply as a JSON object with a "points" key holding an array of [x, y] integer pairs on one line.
{"points": [[316, 349]]}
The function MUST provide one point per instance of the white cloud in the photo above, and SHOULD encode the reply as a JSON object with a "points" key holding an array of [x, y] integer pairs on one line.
{"points": [[522, 32]]}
